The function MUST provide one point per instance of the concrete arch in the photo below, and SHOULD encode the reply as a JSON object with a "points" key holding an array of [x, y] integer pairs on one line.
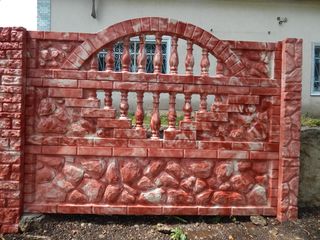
{"points": [[151, 25]]}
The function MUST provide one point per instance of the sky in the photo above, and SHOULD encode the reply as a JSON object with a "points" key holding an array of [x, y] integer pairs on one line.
{"points": [[18, 13]]}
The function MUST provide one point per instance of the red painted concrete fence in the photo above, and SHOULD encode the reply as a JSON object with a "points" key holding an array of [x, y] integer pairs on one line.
{"points": [[64, 151]]}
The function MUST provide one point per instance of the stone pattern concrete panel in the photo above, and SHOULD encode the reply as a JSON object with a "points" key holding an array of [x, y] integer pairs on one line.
{"points": [[290, 129]]}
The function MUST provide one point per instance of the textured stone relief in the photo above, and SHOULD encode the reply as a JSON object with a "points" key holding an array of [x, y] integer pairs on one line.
{"points": [[53, 54], [246, 122], [257, 63], [81, 128], [151, 181], [290, 139], [251, 125], [54, 117]]}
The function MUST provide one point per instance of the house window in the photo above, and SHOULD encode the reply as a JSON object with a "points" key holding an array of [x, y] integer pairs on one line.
{"points": [[316, 70], [134, 52]]}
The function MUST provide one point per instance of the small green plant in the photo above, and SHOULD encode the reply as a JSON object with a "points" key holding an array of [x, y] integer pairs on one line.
{"points": [[309, 121], [132, 117], [177, 234]]}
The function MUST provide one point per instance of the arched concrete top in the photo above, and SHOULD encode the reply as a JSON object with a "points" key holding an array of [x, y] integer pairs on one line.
{"points": [[151, 25]]}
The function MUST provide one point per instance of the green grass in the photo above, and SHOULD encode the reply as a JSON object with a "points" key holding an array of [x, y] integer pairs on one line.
{"points": [[147, 119], [309, 121]]}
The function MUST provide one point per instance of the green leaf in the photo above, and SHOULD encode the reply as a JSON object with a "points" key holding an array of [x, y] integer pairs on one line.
{"points": [[183, 237], [177, 234]]}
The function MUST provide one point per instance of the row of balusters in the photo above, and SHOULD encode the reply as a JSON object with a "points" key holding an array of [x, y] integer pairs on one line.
{"points": [[155, 122], [157, 59]]}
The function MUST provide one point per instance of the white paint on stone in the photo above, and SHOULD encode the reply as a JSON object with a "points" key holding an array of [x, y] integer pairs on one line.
{"points": [[235, 166], [229, 169], [153, 196]]}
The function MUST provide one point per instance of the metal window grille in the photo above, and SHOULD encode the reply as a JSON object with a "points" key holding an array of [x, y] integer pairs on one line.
{"points": [[316, 74], [134, 51]]}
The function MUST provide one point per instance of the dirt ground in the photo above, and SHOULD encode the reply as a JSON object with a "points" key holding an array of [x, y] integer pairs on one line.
{"points": [[88, 227]]}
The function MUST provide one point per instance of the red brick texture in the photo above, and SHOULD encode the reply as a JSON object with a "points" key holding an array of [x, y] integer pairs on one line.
{"points": [[237, 156], [12, 81]]}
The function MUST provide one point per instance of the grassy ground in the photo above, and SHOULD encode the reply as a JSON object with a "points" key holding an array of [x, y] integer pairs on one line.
{"points": [[309, 121], [147, 119]]}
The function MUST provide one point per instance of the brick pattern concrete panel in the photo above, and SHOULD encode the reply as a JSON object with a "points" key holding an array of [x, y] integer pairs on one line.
{"points": [[12, 80]]}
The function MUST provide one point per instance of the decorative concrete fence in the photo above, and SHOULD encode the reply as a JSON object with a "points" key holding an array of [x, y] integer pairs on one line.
{"points": [[65, 151]]}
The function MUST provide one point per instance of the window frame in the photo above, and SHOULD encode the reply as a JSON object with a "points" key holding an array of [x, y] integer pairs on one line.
{"points": [[313, 92]]}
